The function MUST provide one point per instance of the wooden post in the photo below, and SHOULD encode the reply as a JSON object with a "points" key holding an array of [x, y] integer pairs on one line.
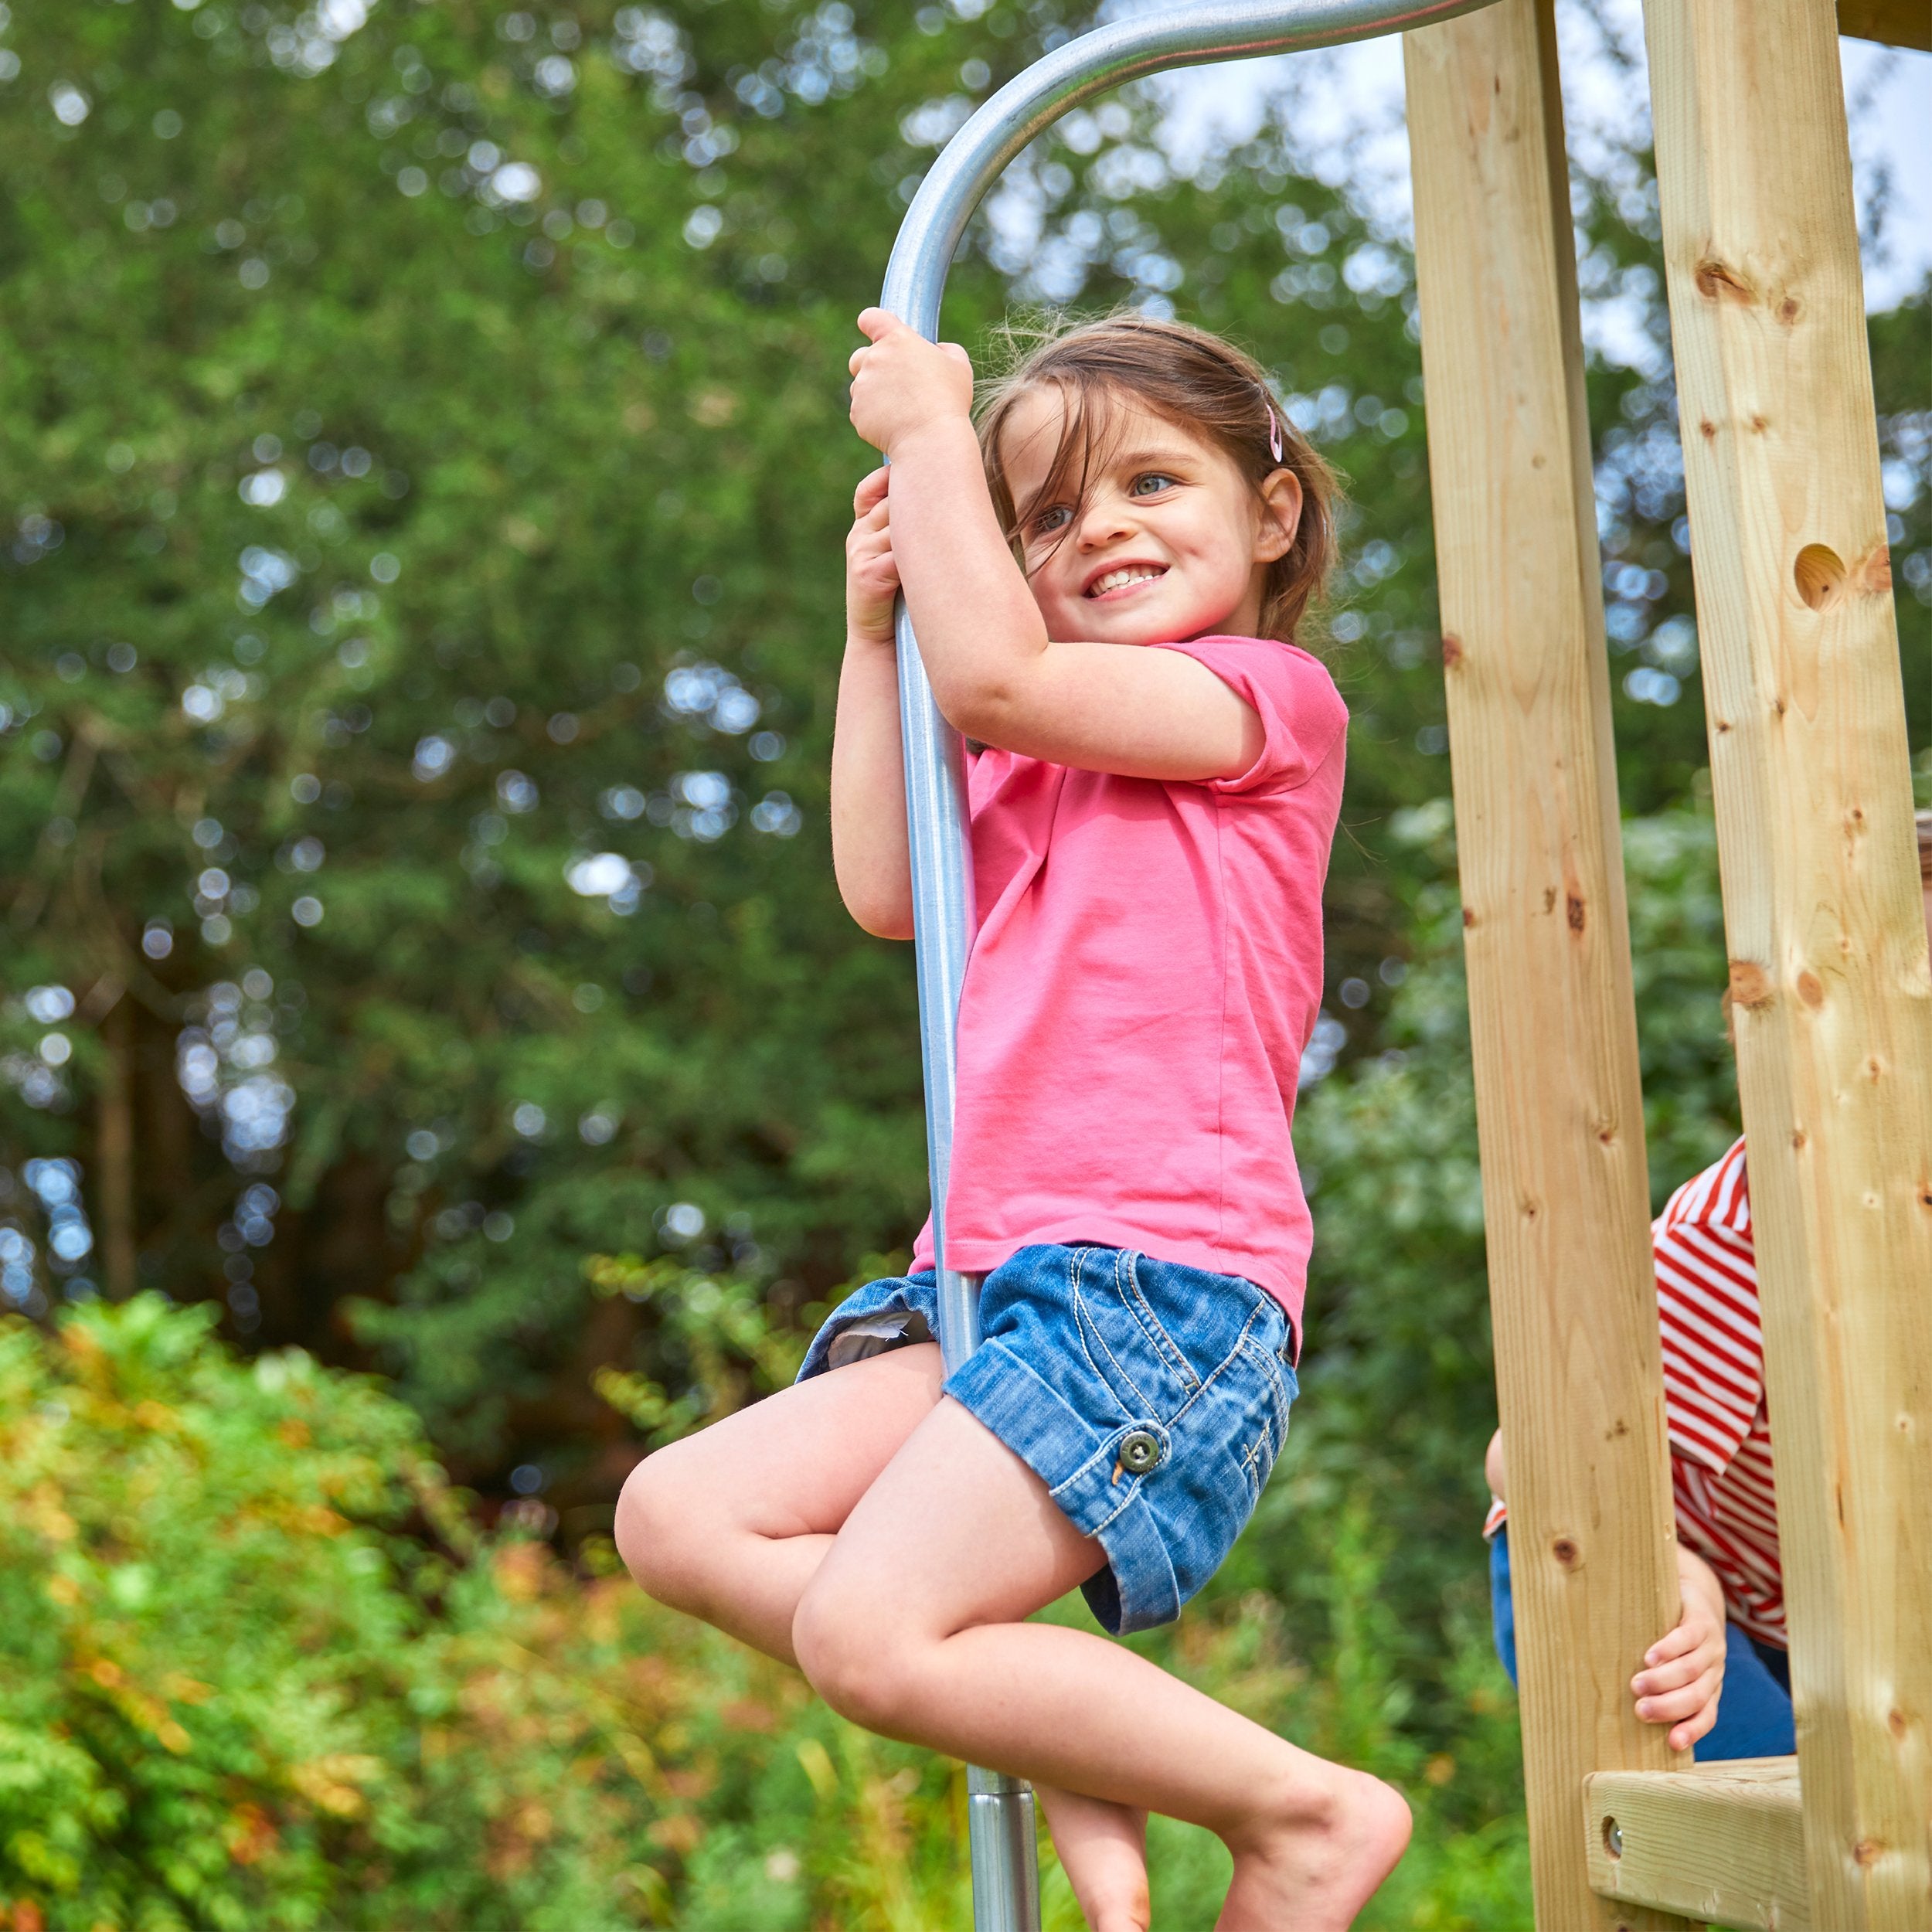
{"points": [[1552, 1018], [1902, 23], [1810, 769]]}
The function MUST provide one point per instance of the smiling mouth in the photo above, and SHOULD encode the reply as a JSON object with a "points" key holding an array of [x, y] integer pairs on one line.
{"points": [[1130, 577]]}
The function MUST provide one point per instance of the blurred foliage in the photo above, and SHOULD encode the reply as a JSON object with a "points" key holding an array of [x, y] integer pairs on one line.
{"points": [[425, 452], [258, 1673], [423, 464]]}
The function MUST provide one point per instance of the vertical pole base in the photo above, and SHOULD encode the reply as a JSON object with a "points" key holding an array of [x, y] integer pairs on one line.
{"points": [[1005, 1861]]}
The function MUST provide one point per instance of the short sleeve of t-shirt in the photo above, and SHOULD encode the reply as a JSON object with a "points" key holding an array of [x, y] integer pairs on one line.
{"points": [[1300, 711]]}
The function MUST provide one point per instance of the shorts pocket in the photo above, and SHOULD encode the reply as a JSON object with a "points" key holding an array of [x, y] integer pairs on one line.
{"points": [[1127, 1345]]}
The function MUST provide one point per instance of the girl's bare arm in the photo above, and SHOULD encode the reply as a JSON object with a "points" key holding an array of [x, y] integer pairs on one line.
{"points": [[869, 846], [1152, 714]]}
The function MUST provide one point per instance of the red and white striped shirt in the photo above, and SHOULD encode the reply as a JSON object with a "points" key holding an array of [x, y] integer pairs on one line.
{"points": [[1720, 1434]]}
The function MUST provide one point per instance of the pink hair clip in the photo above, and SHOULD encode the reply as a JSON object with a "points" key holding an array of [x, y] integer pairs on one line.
{"points": [[1274, 434]]}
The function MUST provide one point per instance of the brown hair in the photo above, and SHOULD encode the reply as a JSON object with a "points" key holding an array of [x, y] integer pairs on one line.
{"points": [[1194, 380]]}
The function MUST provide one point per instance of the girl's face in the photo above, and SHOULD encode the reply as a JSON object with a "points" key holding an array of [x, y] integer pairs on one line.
{"points": [[1171, 542]]}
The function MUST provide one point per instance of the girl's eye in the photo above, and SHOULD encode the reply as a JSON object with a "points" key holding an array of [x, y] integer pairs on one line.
{"points": [[1152, 484], [1049, 521]]}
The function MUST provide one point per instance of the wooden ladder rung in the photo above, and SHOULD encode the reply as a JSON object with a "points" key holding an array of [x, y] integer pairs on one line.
{"points": [[1724, 1843]]}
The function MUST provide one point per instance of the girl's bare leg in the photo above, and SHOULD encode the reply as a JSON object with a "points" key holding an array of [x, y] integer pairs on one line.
{"points": [[912, 1626], [731, 1523], [1103, 1851]]}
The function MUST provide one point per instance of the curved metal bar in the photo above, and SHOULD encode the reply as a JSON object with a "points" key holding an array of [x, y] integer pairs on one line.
{"points": [[1108, 57], [1005, 1891]]}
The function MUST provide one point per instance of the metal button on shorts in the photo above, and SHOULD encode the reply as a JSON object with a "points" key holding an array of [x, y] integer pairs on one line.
{"points": [[1139, 1452]]}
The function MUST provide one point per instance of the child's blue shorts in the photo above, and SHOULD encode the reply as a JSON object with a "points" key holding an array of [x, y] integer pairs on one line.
{"points": [[1150, 1398]]}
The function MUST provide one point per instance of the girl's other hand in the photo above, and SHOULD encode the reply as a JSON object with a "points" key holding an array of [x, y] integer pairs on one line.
{"points": [[1683, 1673], [872, 573], [902, 384]]}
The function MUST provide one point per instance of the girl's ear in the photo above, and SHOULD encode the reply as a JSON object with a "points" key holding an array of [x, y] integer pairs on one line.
{"points": [[1280, 515]]}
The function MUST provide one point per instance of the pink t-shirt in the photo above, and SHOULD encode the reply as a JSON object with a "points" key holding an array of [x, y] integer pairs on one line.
{"points": [[1147, 972]]}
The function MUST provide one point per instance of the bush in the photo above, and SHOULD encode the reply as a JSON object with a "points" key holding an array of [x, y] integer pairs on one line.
{"points": [[238, 1692], [258, 1671]]}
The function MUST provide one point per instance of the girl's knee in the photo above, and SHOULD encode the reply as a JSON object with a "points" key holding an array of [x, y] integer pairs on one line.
{"points": [[854, 1659], [654, 1529]]}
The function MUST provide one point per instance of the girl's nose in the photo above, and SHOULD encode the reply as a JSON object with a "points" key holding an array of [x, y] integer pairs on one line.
{"points": [[1105, 521]]}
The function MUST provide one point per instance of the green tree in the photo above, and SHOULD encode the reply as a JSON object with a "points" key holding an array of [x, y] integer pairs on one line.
{"points": [[426, 460]]}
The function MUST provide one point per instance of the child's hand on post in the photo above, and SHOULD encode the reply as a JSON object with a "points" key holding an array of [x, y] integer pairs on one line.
{"points": [[903, 384], [872, 572], [1683, 1673]]}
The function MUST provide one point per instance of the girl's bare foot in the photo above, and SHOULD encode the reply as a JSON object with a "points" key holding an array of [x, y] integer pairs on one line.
{"points": [[1103, 1850], [1318, 1859]]}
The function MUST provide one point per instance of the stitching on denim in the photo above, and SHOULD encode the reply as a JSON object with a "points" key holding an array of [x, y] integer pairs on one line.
{"points": [[1134, 1298], [1111, 1515], [1133, 1489], [1251, 1463], [1083, 1321], [1209, 1382], [1271, 1380]]}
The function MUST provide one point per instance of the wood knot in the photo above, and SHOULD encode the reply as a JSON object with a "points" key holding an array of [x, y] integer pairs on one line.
{"points": [[1873, 577], [1451, 651], [1894, 1722], [1565, 1552], [1811, 989], [1789, 310], [1819, 574], [1716, 282], [1707, 429], [1799, 1140], [1468, 919], [1867, 1851], [1575, 910], [1749, 987]]}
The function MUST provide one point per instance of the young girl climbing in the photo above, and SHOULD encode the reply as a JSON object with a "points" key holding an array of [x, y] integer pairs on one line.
{"points": [[1104, 580]]}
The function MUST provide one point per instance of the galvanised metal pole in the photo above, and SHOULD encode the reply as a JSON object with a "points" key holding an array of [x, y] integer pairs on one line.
{"points": [[1005, 1870]]}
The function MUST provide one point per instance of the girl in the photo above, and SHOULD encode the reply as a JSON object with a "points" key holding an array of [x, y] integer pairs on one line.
{"points": [[1103, 581]]}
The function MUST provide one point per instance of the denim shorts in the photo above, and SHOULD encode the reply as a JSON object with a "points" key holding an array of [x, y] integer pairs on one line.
{"points": [[1150, 1398]]}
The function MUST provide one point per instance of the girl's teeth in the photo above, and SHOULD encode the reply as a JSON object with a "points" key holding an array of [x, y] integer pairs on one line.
{"points": [[1117, 580]]}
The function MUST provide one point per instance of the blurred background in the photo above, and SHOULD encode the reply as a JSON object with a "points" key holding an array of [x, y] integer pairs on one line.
{"points": [[435, 1066]]}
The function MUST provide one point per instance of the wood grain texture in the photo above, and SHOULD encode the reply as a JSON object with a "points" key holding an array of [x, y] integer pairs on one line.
{"points": [[1900, 23], [1810, 772], [1559, 1108], [1723, 1841]]}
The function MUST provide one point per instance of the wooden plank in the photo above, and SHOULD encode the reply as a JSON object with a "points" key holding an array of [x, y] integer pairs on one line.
{"points": [[1900, 23], [1809, 767], [1558, 1108], [1724, 1841]]}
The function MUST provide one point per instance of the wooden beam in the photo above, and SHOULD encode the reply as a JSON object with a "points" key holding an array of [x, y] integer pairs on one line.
{"points": [[1900, 23], [1810, 774], [1725, 1842], [1553, 1021]]}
